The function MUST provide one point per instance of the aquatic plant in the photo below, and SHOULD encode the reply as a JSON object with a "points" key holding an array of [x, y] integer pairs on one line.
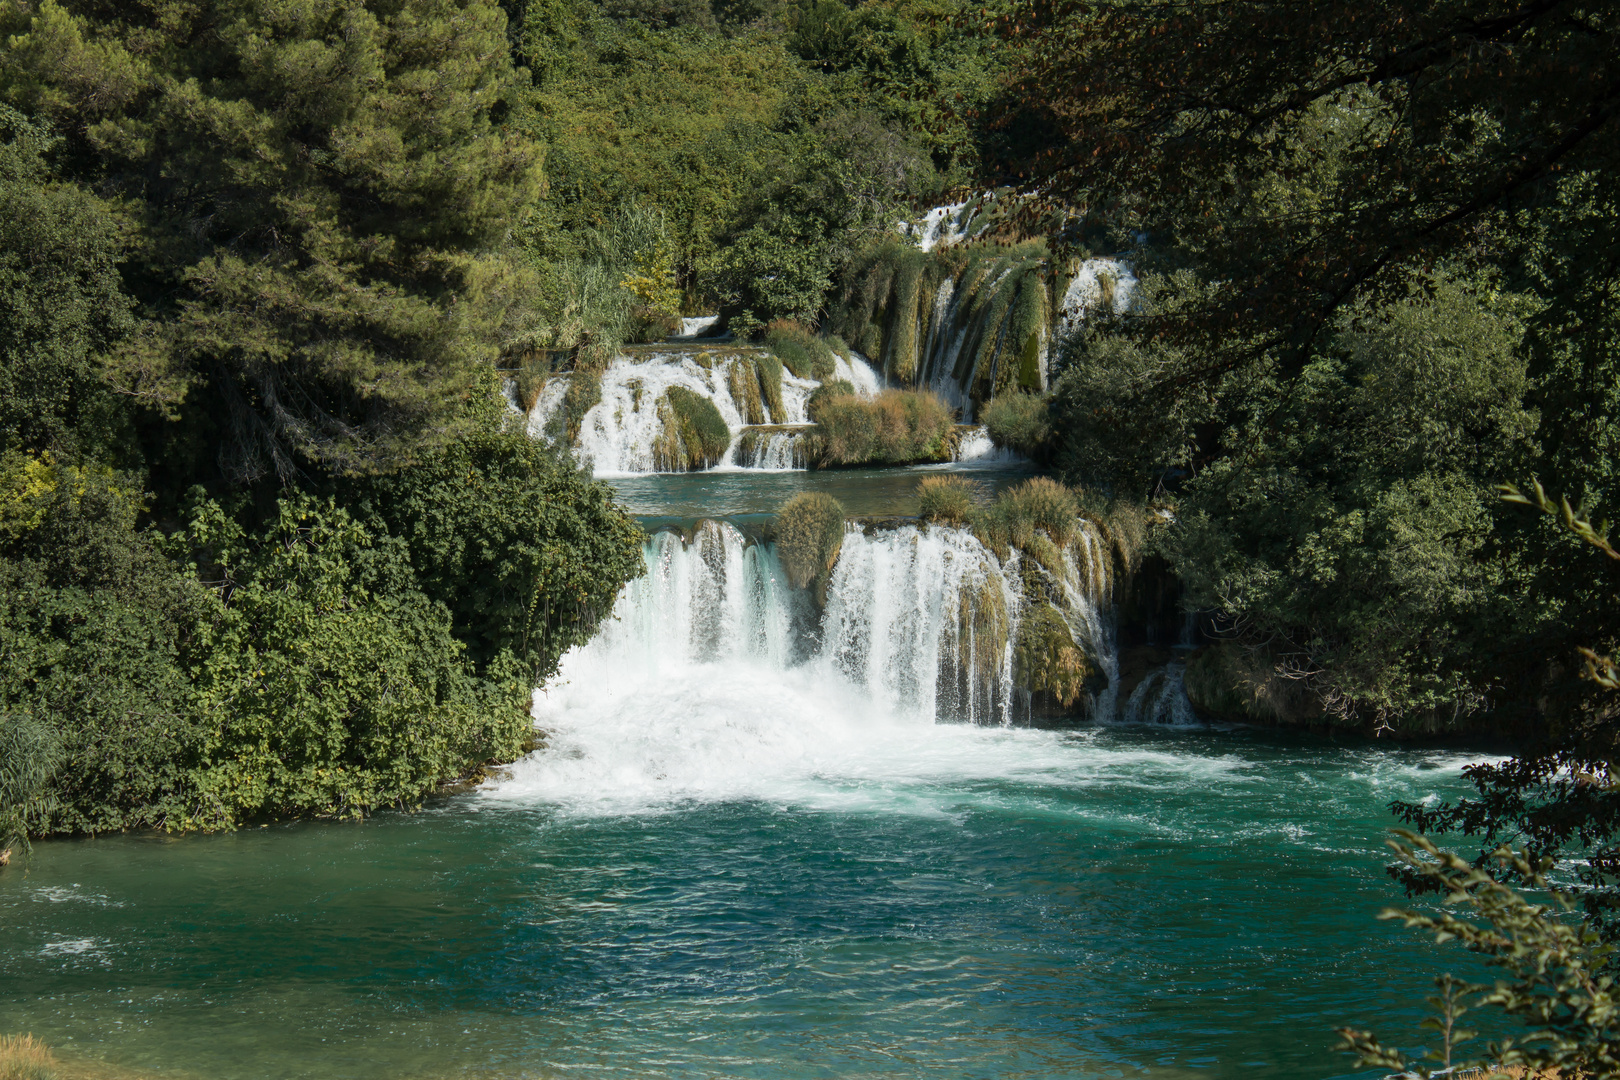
{"points": [[746, 390], [23, 1057], [583, 393], [1020, 514], [809, 533], [695, 435], [769, 369], [949, 500], [1018, 421], [1045, 657], [1042, 503], [975, 318]]}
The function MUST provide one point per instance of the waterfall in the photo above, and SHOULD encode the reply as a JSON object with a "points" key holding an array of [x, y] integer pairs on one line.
{"points": [[620, 433], [1161, 698], [976, 448], [1097, 283], [859, 373], [918, 622], [941, 226], [768, 450], [714, 673]]}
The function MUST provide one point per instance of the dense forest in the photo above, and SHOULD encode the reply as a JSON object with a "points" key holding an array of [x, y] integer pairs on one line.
{"points": [[272, 542]]}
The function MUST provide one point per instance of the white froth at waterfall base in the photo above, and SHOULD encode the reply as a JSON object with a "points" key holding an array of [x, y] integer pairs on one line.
{"points": [[705, 687]]}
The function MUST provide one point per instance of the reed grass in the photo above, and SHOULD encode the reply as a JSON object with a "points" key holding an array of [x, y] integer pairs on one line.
{"points": [[895, 427], [23, 1057]]}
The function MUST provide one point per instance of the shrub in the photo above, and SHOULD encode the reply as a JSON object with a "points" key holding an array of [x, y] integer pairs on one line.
{"points": [[525, 553], [695, 434], [946, 499], [826, 392], [896, 427], [98, 629], [809, 533], [23, 1057], [648, 324], [806, 355], [1043, 504], [29, 755], [334, 687], [1018, 421]]}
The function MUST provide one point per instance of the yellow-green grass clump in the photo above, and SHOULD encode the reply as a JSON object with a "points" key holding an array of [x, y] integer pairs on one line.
{"points": [[23, 1057], [948, 500], [809, 533], [694, 436], [895, 427]]}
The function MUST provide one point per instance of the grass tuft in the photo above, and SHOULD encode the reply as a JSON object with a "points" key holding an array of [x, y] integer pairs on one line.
{"points": [[809, 533], [896, 427], [949, 500], [23, 1057], [1018, 421]]}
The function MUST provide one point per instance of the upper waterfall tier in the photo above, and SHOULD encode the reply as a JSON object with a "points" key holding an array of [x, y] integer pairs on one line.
{"points": [[635, 424]]}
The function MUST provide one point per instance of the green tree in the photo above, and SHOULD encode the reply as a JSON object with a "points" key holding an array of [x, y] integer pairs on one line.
{"points": [[331, 686], [319, 185], [62, 304], [98, 628], [527, 555]]}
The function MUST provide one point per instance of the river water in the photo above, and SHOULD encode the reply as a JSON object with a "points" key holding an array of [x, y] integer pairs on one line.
{"points": [[751, 849]]}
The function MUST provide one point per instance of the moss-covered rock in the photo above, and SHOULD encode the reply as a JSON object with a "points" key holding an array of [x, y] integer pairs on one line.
{"points": [[583, 393], [743, 380], [768, 369], [809, 534], [1046, 658]]}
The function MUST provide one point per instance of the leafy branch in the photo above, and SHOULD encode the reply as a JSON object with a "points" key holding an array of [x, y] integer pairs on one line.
{"points": [[1554, 982], [1602, 670]]}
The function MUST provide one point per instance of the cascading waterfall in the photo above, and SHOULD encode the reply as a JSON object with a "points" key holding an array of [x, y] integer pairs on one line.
{"points": [[768, 451], [1161, 698], [975, 447], [619, 435], [715, 679], [918, 626]]}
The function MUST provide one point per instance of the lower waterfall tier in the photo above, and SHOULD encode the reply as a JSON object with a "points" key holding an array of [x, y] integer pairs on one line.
{"points": [[918, 623]]}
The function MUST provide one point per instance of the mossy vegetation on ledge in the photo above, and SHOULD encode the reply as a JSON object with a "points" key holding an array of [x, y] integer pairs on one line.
{"points": [[694, 434], [1046, 659], [897, 427], [809, 534]]}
